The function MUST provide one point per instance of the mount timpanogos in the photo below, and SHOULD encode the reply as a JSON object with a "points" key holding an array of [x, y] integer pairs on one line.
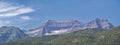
{"points": [[51, 27]]}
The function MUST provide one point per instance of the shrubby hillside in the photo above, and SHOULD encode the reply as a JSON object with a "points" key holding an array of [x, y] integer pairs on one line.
{"points": [[82, 37]]}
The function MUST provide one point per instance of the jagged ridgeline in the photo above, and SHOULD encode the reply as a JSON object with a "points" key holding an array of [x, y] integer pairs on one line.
{"points": [[81, 37], [52, 27]]}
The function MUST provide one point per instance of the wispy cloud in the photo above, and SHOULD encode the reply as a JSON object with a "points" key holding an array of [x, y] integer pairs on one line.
{"points": [[25, 18], [16, 12], [10, 10]]}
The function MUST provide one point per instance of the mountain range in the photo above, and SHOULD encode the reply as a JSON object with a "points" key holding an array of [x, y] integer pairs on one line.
{"points": [[51, 27]]}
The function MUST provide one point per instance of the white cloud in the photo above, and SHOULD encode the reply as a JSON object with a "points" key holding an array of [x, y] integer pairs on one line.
{"points": [[4, 9], [25, 18], [10, 10], [17, 12]]}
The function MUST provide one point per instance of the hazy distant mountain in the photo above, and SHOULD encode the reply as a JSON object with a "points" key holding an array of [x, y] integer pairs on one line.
{"points": [[52, 27], [11, 33]]}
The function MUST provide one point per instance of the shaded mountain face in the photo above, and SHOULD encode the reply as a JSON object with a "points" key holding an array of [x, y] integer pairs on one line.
{"points": [[11, 33], [52, 27]]}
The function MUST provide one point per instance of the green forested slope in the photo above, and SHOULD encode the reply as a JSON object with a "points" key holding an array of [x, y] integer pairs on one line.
{"points": [[81, 37]]}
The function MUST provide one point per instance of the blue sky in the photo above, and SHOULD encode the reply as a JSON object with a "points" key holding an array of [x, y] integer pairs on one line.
{"points": [[29, 14]]}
